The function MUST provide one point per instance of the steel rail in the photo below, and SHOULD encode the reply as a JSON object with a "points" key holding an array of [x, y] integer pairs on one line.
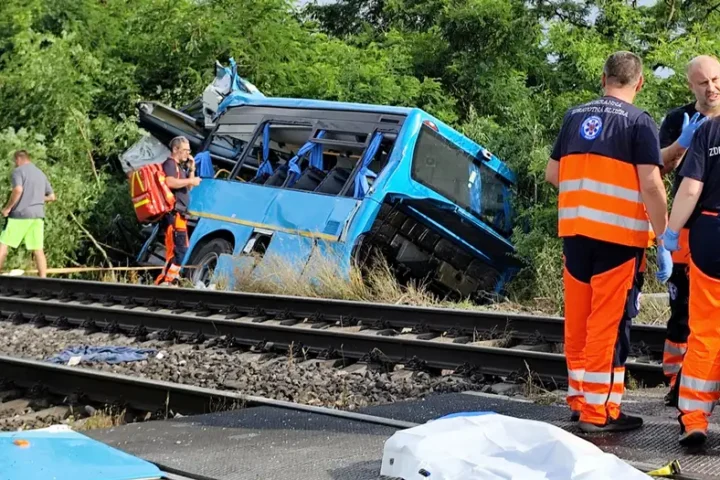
{"points": [[354, 345], [520, 326], [151, 395]]}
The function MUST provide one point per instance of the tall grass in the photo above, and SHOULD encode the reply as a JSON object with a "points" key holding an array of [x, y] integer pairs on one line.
{"points": [[323, 277]]}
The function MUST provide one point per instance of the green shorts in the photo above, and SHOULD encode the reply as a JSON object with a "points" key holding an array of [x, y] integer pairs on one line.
{"points": [[19, 229]]}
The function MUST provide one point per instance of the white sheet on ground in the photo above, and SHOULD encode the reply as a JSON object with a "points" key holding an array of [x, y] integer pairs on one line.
{"points": [[489, 446]]}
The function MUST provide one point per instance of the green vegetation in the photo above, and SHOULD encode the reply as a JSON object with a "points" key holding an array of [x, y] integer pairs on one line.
{"points": [[501, 71]]}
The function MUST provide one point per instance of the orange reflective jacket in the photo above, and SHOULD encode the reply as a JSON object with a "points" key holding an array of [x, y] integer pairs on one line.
{"points": [[600, 198]]}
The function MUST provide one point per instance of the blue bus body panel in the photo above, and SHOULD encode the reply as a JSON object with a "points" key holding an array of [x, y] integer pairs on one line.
{"points": [[308, 224], [396, 182], [62, 454], [241, 207]]}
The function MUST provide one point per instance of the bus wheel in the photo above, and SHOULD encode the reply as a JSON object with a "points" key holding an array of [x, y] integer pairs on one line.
{"points": [[205, 260]]}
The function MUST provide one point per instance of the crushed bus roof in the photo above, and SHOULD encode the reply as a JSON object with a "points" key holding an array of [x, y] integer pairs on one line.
{"points": [[238, 99]]}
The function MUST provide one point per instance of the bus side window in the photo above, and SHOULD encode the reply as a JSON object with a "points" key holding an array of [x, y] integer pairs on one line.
{"points": [[265, 166]]}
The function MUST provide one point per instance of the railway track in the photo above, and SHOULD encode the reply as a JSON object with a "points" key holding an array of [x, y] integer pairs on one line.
{"points": [[149, 395], [493, 343]]}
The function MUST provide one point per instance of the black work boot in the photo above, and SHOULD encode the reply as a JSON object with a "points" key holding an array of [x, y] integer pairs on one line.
{"points": [[574, 416], [693, 438], [621, 424]]}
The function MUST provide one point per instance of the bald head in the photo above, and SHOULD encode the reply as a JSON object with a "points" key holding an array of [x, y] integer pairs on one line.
{"points": [[703, 76]]}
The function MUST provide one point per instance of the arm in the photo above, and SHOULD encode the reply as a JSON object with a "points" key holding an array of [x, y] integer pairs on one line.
{"points": [[15, 195], [684, 203], [654, 197], [175, 183], [648, 163], [16, 180], [693, 173], [191, 172], [171, 180], [552, 172], [49, 194], [673, 153], [671, 156]]}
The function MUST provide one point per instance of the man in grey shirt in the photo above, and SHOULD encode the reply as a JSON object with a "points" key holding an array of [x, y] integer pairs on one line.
{"points": [[25, 211]]}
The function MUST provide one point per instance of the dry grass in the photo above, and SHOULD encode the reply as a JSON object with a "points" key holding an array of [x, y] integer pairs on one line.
{"points": [[106, 418], [323, 277], [653, 311]]}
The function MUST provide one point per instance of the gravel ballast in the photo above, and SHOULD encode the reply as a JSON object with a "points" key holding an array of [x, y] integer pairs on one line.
{"points": [[312, 382]]}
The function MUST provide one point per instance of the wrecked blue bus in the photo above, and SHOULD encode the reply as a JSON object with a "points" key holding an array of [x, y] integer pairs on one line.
{"points": [[297, 178]]}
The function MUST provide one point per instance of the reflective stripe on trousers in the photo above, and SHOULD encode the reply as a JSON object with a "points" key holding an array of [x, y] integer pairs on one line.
{"points": [[595, 316], [176, 244], [673, 354], [700, 376]]}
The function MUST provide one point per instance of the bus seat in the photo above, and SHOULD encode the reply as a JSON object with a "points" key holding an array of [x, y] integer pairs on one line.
{"points": [[277, 179], [334, 181], [309, 180], [260, 179]]}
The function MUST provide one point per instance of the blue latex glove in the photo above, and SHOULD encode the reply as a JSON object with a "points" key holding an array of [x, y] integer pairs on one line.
{"points": [[670, 240], [665, 264], [688, 129]]}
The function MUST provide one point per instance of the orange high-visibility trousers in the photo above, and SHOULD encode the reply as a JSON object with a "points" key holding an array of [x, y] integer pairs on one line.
{"points": [[176, 245], [677, 326], [700, 375], [602, 285]]}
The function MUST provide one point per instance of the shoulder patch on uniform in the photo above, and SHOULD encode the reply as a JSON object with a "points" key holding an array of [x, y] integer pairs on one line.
{"points": [[591, 127]]}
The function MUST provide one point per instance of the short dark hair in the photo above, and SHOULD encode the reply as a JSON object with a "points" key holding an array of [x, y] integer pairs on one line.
{"points": [[623, 68], [22, 154]]}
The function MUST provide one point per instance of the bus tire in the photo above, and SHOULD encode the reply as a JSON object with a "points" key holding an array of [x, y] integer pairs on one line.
{"points": [[205, 259]]}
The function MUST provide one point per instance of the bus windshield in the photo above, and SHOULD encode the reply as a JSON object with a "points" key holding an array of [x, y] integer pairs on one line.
{"points": [[455, 174]]}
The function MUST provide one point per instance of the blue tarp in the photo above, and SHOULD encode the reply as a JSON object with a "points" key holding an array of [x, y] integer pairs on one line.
{"points": [[102, 354], [61, 454], [203, 165]]}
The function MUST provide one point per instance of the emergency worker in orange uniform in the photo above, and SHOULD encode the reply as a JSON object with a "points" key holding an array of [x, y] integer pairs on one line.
{"points": [[606, 164], [676, 133], [175, 223], [698, 200]]}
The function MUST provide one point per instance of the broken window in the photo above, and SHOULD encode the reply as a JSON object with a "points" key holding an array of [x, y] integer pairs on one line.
{"points": [[455, 174]]}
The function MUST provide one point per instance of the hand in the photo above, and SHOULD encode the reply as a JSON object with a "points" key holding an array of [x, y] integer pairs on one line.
{"points": [[5, 212], [665, 264], [195, 181], [688, 129], [670, 240]]}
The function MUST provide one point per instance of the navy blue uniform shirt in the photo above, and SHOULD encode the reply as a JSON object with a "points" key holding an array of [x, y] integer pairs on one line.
{"points": [[612, 128], [182, 196], [701, 164]]}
